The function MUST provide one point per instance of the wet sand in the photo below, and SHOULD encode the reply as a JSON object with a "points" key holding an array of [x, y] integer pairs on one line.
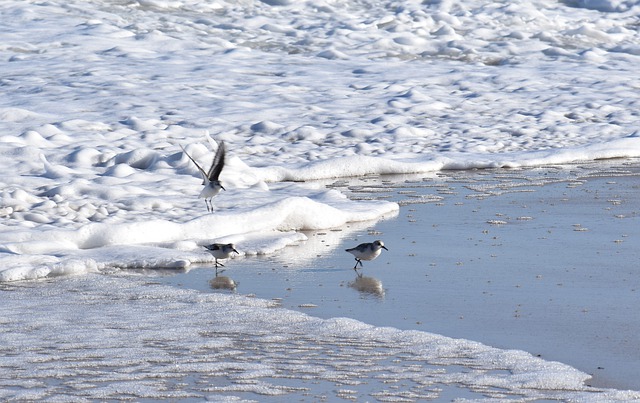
{"points": [[542, 260]]}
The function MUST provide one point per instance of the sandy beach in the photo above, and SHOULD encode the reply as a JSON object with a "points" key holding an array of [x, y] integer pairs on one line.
{"points": [[543, 260]]}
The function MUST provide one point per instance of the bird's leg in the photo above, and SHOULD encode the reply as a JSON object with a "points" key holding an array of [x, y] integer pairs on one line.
{"points": [[357, 261]]}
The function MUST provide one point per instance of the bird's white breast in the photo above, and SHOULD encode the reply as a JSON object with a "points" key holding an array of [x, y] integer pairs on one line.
{"points": [[210, 190]]}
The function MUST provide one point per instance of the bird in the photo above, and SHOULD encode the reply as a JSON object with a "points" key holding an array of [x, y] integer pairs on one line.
{"points": [[211, 182], [366, 251], [221, 251]]}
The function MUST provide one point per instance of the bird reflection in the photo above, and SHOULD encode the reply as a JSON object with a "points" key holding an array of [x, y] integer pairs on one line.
{"points": [[368, 285], [222, 283]]}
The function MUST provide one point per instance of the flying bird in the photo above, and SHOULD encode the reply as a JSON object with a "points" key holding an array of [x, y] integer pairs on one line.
{"points": [[366, 251], [211, 182]]}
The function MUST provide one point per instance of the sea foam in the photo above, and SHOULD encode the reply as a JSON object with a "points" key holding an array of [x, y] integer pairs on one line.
{"points": [[91, 139], [100, 97], [227, 345]]}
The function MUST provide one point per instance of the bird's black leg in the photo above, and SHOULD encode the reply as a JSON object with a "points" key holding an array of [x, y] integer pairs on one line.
{"points": [[357, 261]]}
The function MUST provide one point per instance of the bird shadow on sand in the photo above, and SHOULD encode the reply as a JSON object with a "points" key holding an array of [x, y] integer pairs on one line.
{"points": [[367, 285]]}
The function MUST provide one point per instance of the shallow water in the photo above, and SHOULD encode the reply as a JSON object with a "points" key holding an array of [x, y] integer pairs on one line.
{"points": [[103, 94], [466, 263], [542, 260]]}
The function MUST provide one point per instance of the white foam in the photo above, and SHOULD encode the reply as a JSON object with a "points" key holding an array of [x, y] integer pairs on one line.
{"points": [[228, 344], [157, 239], [103, 95]]}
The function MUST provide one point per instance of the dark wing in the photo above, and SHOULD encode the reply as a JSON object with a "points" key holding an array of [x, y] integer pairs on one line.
{"points": [[204, 174], [218, 163]]}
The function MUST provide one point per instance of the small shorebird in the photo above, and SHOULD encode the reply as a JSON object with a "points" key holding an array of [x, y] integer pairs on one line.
{"points": [[221, 251], [211, 182], [366, 251]]}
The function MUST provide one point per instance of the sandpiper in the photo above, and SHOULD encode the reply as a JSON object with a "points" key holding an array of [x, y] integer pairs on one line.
{"points": [[221, 251], [211, 182], [366, 251]]}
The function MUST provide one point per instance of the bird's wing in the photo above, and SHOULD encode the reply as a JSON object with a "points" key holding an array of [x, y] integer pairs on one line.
{"points": [[218, 163], [204, 174]]}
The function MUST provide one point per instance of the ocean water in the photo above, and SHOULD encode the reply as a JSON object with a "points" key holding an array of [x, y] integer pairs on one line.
{"points": [[536, 259], [98, 97]]}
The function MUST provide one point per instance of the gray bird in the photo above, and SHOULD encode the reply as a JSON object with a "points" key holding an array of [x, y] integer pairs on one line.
{"points": [[366, 251], [211, 182], [221, 251]]}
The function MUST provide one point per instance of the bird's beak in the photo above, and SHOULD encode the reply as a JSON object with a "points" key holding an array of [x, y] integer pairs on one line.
{"points": [[385, 248], [236, 251], [222, 187]]}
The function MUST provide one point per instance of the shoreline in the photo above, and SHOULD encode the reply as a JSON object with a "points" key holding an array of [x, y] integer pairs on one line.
{"points": [[512, 258], [497, 284]]}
